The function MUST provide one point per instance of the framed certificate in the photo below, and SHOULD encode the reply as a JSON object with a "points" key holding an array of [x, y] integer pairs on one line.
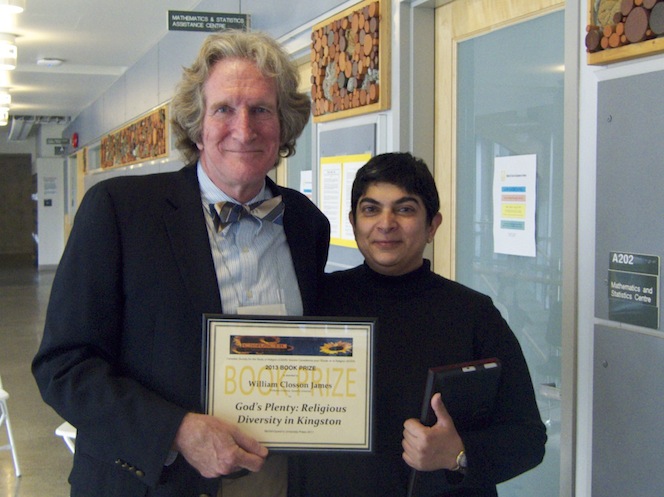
{"points": [[293, 383]]}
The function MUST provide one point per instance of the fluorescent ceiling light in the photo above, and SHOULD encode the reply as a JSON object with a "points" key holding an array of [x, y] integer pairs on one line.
{"points": [[49, 62], [12, 6]]}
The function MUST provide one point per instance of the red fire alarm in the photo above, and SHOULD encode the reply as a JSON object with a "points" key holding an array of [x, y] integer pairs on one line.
{"points": [[74, 140]]}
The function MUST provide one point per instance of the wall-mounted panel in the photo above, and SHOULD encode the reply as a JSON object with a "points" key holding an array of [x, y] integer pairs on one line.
{"points": [[627, 414], [629, 205]]}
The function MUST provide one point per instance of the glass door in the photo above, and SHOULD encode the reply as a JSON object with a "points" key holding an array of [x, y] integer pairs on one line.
{"points": [[507, 83]]}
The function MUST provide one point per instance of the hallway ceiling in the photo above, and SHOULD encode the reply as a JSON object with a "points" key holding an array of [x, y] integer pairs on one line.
{"points": [[98, 40]]}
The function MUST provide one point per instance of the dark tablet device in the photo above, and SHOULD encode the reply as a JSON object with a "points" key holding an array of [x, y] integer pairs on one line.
{"points": [[468, 390]]}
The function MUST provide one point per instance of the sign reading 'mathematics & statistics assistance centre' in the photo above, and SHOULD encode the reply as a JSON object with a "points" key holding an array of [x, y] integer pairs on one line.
{"points": [[206, 21], [634, 289]]}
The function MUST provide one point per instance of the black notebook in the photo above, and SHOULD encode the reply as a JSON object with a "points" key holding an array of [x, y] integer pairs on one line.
{"points": [[469, 393]]}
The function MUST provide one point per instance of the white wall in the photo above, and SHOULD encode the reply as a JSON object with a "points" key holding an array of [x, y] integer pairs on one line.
{"points": [[50, 211], [44, 132]]}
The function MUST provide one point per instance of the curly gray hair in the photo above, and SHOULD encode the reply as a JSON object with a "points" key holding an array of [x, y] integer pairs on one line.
{"points": [[188, 104]]}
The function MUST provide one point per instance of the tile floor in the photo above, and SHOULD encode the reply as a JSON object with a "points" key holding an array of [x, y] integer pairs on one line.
{"points": [[44, 459]]}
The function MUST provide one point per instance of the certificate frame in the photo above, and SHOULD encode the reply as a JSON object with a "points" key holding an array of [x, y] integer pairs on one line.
{"points": [[296, 384]]}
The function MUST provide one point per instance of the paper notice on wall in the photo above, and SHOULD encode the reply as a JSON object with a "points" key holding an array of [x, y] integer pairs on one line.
{"points": [[336, 176], [329, 198], [514, 202], [306, 182]]}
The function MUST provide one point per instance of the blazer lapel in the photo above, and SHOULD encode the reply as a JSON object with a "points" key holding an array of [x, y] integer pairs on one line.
{"points": [[185, 225]]}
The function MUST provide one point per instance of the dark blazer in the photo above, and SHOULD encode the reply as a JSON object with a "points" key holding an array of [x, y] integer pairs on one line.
{"points": [[121, 354]]}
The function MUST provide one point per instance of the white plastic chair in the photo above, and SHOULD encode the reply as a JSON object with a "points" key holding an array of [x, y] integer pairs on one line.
{"points": [[4, 418], [68, 434]]}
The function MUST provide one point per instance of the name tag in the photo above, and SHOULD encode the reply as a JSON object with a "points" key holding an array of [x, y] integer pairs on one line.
{"points": [[263, 310]]}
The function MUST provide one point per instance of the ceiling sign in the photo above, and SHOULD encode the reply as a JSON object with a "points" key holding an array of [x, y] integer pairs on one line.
{"points": [[179, 20]]}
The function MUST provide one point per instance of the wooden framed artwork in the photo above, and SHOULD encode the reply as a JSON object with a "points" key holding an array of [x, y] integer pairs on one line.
{"points": [[146, 138], [620, 30], [350, 62]]}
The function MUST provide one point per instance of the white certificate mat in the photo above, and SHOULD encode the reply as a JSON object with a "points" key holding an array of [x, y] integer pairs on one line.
{"points": [[294, 384]]}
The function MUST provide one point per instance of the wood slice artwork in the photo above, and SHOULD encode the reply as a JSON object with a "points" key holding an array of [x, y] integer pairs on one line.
{"points": [[626, 7], [606, 10], [143, 139], [656, 19], [345, 59], [593, 40], [624, 29], [636, 25]]}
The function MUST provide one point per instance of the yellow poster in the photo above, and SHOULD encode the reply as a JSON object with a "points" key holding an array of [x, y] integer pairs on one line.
{"points": [[335, 180]]}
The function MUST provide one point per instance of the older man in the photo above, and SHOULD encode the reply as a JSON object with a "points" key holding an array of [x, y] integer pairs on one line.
{"points": [[148, 256]]}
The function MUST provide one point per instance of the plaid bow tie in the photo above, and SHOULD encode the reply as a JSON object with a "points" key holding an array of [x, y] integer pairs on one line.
{"points": [[226, 213]]}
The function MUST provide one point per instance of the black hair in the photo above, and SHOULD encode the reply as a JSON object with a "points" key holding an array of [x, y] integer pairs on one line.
{"points": [[400, 169]]}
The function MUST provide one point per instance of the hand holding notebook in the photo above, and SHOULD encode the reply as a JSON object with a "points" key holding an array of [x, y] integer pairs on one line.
{"points": [[468, 391]]}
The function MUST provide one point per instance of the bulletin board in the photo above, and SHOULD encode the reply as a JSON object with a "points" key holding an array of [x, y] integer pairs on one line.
{"points": [[342, 152], [342, 149], [335, 182]]}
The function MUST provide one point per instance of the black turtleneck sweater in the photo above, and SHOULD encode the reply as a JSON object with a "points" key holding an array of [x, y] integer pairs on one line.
{"points": [[425, 320]]}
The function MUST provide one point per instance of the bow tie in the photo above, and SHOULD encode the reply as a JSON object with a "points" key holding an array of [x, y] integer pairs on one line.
{"points": [[226, 213]]}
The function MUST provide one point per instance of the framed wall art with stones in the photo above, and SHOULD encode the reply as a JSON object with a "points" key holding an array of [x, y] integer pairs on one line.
{"points": [[350, 62]]}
